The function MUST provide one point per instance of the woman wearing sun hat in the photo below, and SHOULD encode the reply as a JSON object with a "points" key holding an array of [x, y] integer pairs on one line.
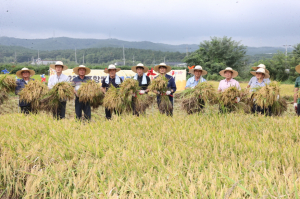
{"points": [[54, 79], [111, 79], [25, 75], [163, 69], [81, 71], [143, 79], [254, 79], [296, 97], [229, 74]]}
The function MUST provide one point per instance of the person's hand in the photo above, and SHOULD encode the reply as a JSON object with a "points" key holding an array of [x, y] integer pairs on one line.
{"points": [[168, 92], [238, 99], [296, 106], [193, 87], [133, 94], [142, 92], [158, 92]]}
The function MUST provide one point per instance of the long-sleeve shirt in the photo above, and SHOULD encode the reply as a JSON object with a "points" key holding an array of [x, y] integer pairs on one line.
{"points": [[191, 82], [20, 85], [254, 83], [54, 79], [224, 84]]}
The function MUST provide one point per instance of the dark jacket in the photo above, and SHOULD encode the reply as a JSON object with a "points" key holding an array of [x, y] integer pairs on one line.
{"points": [[20, 85], [111, 81], [143, 86]]}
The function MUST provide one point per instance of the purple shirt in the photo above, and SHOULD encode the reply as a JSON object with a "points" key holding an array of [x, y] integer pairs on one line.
{"points": [[224, 84]]}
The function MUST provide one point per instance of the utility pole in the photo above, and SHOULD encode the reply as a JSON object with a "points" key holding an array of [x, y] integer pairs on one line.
{"points": [[15, 57], [38, 54], [187, 50], [83, 59], [75, 57], [286, 46], [123, 55], [133, 59], [164, 59]]}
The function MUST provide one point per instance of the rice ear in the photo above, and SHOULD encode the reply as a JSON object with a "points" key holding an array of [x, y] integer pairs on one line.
{"points": [[90, 92]]}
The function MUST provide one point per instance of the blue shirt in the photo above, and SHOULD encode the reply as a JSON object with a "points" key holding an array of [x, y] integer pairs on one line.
{"points": [[171, 85], [20, 85], [255, 84], [191, 82]]}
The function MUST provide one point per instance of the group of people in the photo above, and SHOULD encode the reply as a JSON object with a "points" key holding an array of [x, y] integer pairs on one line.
{"points": [[260, 78]]}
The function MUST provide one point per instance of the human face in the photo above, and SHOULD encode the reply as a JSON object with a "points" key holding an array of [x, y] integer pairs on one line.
{"points": [[259, 75], [197, 73], [140, 71], [25, 74], [112, 72], [58, 69], [81, 71], [162, 70], [228, 74]]}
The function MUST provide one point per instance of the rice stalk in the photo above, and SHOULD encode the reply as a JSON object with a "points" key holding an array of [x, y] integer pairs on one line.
{"points": [[90, 92], [267, 95], [7, 84], [128, 88], [112, 100], [142, 102]]}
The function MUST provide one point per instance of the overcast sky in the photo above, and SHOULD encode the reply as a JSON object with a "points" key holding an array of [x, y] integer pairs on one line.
{"points": [[253, 22]]}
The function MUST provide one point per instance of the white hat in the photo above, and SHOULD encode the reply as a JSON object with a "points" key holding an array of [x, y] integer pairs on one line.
{"points": [[260, 70], [59, 63], [192, 71], [140, 65], [162, 64], [234, 73], [87, 70], [111, 66], [19, 72], [260, 66]]}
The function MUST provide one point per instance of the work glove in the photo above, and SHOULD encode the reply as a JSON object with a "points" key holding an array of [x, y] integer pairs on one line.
{"points": [[277, 98], [168, 92], [133, 94], [158, 92], [237, 100], [295, 105], [142, 92]]}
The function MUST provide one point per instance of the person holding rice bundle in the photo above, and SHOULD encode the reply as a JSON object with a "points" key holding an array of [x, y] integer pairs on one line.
{"points": [[54, 79], [296, 95], [261, 79], [254, 79], [25, 75], [163, 69], [81, 71], [143, 79], [112, 79]]}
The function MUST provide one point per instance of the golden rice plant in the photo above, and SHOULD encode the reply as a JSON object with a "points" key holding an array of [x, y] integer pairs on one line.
{"points": [[7, 84], [112, 99], [91, 92], [267, 95], [128, 88], [61, 91], [32, 93], [279, 107], [228, 97], [142, 102]]}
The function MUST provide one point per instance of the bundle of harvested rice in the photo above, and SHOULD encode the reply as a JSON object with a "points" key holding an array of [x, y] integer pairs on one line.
{"points": [[279, 107], [91, 92], [112, 100], [61, 91], [142, 102], [32, 93], [228, 97], [3, 96], [128, 88], [7, 84], [161, 84]]}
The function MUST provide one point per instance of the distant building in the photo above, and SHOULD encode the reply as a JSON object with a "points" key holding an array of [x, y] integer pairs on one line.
{"points": [[119, 63], [176, 64], [39, 61]]}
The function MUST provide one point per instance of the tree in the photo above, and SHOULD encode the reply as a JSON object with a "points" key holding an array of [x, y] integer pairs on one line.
{"points": [[217, 54]]}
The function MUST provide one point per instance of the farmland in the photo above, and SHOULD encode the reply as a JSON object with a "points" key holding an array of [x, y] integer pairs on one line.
{"points": [[207, 155]]}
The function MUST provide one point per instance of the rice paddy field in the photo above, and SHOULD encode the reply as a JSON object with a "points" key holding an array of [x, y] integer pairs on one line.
{"points": [[206, 155]]}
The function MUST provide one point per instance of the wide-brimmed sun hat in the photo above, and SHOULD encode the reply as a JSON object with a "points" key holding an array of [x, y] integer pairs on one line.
{"points": [[297, 68], [111, 66], [260, 66], [87, 70], [192, 71], [59, 63], [19, 72], [261, 70], [156, 68], [140, 65], [234, 73]]}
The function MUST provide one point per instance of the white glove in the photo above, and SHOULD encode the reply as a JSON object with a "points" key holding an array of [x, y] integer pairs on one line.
{"points": [[133, 95], [295, 105], [193, 87], [158, 92], [168, 93], [277, 97], [142, 92], [238, 99]]}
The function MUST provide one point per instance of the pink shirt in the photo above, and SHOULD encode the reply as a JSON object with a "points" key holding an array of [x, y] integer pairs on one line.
{"points": [[225, 84]]}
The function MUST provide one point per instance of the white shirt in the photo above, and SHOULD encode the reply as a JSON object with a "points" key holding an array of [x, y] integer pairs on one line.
{"points": [[54, 79]]}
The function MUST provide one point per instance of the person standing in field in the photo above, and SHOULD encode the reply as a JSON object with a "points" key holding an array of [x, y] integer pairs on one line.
{"points": [[254, 79], [112, 79], [81, 71], [54, 79], [261, 79], [144, 82], [163, 69], [296, 95], [25, 75]]}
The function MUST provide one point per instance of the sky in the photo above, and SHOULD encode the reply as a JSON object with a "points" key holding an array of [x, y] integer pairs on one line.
{"points": [[252, 22]]}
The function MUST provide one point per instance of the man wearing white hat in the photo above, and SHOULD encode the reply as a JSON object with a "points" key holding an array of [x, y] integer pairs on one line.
{"points": [[111, 79], [81, 71], [143, 79], [198, 73], [25, 75], [296, 97], [54, 79], [254, 79]]}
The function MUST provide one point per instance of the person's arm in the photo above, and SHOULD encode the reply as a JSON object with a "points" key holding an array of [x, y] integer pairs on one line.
{"points": [[188, 84], [103, 86], [173, 85], [219, 87], [238, 85], [148, 83], [18, 87], [50, 83]]}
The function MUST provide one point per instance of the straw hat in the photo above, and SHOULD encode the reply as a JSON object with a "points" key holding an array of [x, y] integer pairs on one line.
{"points": [[260, 66], [87, 70], [19, 72], [162, 64], [234, 73], [111, 66], [133, 68], [260, 70], [59, 63], [297, 69], [192, 71]]}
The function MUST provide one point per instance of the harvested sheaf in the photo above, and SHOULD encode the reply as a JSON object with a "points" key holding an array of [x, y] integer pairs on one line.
{"points": [[62, 91], [128, 88], [112, 100], [229, 96], [142, 102], [90, 92], [279, 107], [7, 84], [267, 95], [33, 93]]}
